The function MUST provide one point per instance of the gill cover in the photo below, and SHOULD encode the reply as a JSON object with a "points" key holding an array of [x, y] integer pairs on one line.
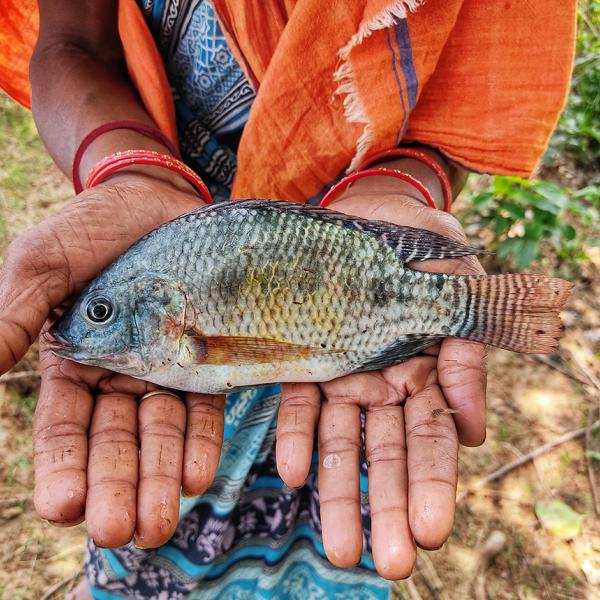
{"points": [[159, 322]]}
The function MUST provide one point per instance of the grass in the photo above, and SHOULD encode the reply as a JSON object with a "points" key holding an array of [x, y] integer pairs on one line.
{"points": [[30, 185]]}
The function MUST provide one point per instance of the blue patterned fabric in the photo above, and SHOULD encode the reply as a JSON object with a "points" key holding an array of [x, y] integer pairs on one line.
{"points": [[212, 95], [249, 537]]}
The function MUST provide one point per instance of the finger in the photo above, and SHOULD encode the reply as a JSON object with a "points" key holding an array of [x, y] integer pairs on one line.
{"points": [[394, 550], [60, 448], [203, 441], [462, 376], [461, 363], [296, 422], [112, 470], [161, 432], [432, 465], [339, 492]]}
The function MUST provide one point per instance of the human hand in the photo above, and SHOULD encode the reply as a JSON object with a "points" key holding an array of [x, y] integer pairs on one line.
{"points": [[411, 438], [101, 477]]}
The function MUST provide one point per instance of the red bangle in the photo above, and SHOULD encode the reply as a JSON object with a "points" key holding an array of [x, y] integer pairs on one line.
{"points": [[421, 156], [345, 183], [119, 160], [147, 130]]}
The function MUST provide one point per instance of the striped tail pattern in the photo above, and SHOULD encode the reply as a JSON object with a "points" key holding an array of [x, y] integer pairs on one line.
{"points": [[517, 312]]}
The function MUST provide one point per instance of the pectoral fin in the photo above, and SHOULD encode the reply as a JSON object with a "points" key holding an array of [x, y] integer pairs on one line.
{"points": [[196, 348]]}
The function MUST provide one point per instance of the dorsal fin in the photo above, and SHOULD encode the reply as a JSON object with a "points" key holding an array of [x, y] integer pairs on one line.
{"points": [[409, 243]]}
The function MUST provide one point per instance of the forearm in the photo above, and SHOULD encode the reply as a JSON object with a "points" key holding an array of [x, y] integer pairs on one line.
{"points": [[79, 81]]}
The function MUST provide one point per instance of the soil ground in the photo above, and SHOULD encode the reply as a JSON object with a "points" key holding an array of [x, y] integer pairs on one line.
{"points": [[530, 403]]}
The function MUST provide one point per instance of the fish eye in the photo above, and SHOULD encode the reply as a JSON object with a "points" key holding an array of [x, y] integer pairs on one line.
{"points": [[99, 310]]}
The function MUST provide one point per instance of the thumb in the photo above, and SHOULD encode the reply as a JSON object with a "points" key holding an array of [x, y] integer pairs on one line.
{"points": [[50, 262], [34, 280]]}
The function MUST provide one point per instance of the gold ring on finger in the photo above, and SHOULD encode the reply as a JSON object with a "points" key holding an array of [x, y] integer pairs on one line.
{"points": [[160, 393]]}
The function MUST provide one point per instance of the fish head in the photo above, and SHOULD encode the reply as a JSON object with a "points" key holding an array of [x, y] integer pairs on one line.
{"points": [[132, 327]]}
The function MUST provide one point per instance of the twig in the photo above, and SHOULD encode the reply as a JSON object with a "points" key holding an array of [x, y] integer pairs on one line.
{"points": [[430, 577], [8, 502], [519, 454], [499, 473], [492, 547], [60, 584], [591, 471], [18, 375], [587, 372], [70, 587], [411, 588], [498, 494], [542, 358], [399, 590]]}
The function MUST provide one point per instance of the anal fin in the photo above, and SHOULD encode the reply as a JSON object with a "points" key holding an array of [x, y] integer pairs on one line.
{"points": [[399, 351]]}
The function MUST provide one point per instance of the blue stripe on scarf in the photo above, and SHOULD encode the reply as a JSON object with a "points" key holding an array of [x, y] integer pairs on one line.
{"points": [[397, 77], [406, 61]]}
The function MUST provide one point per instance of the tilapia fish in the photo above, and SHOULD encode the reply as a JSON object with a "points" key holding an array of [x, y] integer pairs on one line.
{"points": [[255, 292]]}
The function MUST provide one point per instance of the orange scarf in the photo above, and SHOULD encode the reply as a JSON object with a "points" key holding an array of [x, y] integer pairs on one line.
{"points": [[484, 82]]}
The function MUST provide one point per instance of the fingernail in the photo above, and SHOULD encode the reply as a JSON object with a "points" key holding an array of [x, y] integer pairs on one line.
{"points": [[293, 487], [138, 544], [429, 548]]}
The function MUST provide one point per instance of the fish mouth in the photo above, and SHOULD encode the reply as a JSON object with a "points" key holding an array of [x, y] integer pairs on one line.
{"points": [[61, 347], [57, 344]]}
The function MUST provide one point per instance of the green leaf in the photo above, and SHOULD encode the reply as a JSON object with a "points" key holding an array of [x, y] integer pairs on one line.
{"points": [[569, 232], [593, 454], [508, 248], [501, 225], [527, 252], [513, 209], [559, 519], [551, 192], [534, 230], [504, 186], [548, 206], [483, 199]]}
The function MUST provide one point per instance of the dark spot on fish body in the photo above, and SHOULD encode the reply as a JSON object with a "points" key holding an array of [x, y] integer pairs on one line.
{"points": [[384, 291]]}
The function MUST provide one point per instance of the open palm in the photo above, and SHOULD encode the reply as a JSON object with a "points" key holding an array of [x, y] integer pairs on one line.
{"points": [[88, 426], [416, 414]]}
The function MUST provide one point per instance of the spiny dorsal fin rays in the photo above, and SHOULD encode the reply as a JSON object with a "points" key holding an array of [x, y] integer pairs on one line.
{"points": [[408, 243]]}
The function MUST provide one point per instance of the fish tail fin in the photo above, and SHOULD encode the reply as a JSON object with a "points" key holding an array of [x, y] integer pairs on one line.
{"points": [[517, 312]]}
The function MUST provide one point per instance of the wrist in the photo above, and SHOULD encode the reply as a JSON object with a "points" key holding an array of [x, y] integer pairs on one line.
{"points": [[114, 137], [152, 184], [373, 201], [163, 164], [421, 174]]}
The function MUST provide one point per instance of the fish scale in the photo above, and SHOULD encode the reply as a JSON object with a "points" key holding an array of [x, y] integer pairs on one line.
{"points": [[257, 292]]}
